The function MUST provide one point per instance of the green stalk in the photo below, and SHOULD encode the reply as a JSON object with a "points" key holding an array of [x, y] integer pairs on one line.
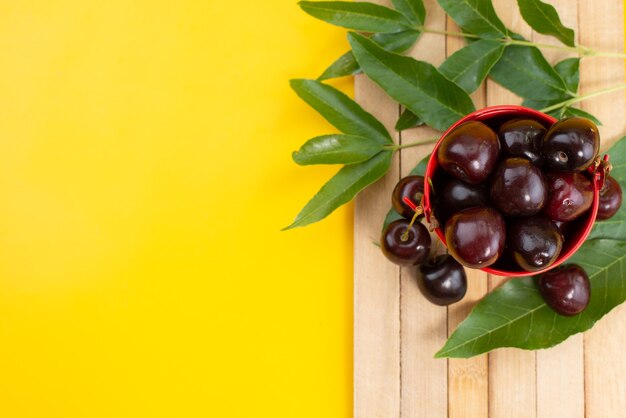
{"points": [[581, 50], [395, 147], [577, 99]]}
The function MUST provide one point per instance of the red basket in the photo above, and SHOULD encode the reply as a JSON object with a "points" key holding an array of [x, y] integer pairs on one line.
{"points": [[488, 116]]}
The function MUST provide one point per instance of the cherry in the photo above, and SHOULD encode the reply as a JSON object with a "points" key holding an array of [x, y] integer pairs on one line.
{"points": [[457, 195], [405, 244], [469, 152], [476, 236], [565, 289], [411, 187], [518, 188], [571, 194], [571, 145], [522, 138], [610, 198], [443, 280], [535, 242]]}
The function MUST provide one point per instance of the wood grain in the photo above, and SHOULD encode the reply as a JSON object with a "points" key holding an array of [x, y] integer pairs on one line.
{"points": [[512, 377], [563, 363], [376, 284], [601, 27], [468, 379], [397, 331], [424, 379]]}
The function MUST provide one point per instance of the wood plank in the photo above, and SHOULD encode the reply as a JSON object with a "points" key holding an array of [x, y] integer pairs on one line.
{"points": [[602, 28], [512, 388], [376, 285], [423, 325], [376, 281], [563, 363], [468, 379], [397, 330]]}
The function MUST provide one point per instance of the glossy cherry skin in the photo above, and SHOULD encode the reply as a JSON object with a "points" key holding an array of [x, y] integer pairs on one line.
{"points": [[443, 280], [457, 195], [411, 187], [571, 145], [522, 138], [476, 236], [518, 188], [414, 250], [469, 152], [610, 198], [565, 289], [535, 242], [571, 194]]}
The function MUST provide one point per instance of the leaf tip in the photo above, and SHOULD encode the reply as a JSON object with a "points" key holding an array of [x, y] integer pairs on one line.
{"points": [[288, 227], [440, 354], [295, 156]]}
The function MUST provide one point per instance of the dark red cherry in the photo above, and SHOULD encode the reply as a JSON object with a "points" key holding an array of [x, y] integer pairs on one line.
{"points": [[457, 195], [518, 188], [443, 280], [571, 145], [535, 242], [411, 187], [610, 198], [571, 194], [565, 289], [405, 249], [469, 152], [522, 138], [476, 236]]}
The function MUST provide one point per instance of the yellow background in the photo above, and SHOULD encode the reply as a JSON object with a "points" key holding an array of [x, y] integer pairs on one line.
{"points": [[145, 173]]}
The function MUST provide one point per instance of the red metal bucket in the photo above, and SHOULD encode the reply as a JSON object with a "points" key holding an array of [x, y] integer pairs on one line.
{"points": [[492, 116]]}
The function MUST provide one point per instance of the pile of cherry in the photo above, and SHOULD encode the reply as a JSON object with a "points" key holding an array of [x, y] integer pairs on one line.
{"points": [[507, 199]]}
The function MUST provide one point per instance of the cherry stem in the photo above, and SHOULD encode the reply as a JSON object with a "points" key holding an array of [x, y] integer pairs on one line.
{"points": [[418, 211]]}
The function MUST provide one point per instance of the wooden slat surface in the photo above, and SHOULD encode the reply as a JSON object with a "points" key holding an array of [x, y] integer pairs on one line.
{"points": [[397, 331]]}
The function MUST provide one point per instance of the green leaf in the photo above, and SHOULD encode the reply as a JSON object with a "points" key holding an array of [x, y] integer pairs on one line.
{"points": [[418, 170], [544, 19], [343, 66], [572, 111], [515, 315], [475, 16], [525, 71], [413, 10], [569, 70], [342, 188], [361, 16], [337, 149], [415, 84], [347, 65], [340, 110], [615, 227], [469, 66], [408, 120]]}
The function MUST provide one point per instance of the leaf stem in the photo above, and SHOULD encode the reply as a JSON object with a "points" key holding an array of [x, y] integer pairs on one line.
{"points": [[395, 147], [584, 97], [581, 50], [445, 32]]}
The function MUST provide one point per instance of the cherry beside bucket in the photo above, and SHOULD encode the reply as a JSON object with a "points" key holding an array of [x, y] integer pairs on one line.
{"points": [[494, 116]]}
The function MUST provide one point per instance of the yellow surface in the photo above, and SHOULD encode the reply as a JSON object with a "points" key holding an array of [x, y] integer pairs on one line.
{"points": [[145, 173]]}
